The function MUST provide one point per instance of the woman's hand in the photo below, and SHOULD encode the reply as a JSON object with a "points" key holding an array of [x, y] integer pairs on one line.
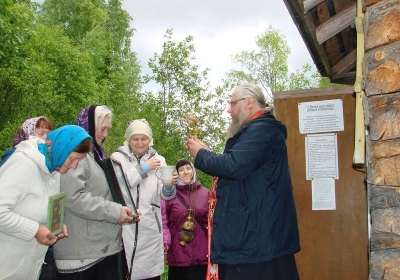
{"points": [[174, 179], [63, 234], [127, 216], [45, 237], [153, 163], [166, 247]]}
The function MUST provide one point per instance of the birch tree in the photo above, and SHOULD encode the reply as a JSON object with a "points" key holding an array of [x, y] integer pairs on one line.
{"points": [[268, 66], [183, 89]]}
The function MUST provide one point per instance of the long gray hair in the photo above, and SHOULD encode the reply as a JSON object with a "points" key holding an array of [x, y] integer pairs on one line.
{"points": [[255, 91]]}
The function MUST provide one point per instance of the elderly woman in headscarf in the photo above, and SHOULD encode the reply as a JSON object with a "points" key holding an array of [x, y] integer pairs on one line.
{"points": [[27, 181], [144, 242], [186, 218], [96, 120], [38, 126], [93, 218]]}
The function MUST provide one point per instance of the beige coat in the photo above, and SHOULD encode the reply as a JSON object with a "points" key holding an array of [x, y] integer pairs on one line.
{"points": [[149, 257]]}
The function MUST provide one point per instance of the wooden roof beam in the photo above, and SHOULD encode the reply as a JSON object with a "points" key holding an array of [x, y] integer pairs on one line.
{"points": [[336, 24], [345, 64], [309, 4], [305, 25]]}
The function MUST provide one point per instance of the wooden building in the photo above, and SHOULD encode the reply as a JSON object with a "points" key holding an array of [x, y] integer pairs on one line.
{"points": [[357, 43]]}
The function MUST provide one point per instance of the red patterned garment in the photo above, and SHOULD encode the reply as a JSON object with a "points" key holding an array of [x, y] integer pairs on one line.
{"points": [[212, 269]]}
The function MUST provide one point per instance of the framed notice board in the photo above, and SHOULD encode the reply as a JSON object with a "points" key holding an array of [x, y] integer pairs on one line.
{"points": [[334, 243]]}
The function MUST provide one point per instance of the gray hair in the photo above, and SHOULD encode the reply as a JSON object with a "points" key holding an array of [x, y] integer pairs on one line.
{"points": [[255, 91], [101, 113]]}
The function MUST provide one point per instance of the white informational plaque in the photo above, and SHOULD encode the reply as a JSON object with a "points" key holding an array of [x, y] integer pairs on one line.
{"points": [[321, 156], [323, 194], [321, 116]]}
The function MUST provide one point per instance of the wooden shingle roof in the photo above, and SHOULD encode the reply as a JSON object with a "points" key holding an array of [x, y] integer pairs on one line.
{"points": [[328, 30]]}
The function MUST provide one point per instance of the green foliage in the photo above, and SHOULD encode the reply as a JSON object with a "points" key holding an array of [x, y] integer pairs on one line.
{"points": [[16, 19], [57, 60], [77, 18], [326, 82], [164, 276], [58, 78], [9, 129], [307, 79], [303, 79], [268, 67], [184, 90]]}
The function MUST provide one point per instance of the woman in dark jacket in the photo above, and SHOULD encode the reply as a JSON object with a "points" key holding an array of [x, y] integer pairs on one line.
{"points": [[186, 218]]}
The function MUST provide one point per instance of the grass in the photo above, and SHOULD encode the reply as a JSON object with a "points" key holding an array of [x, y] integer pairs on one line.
{"points": [[164, 276]]}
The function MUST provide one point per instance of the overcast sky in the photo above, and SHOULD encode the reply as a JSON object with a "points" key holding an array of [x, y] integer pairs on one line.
{"points": [[220, 29]]}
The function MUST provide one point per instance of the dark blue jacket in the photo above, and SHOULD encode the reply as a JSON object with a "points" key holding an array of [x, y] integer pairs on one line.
{"points": [[255, 216], [6, 155]]}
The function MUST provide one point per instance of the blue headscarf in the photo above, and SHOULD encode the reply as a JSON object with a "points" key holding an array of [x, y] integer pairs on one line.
{"points": [[60, 143]]}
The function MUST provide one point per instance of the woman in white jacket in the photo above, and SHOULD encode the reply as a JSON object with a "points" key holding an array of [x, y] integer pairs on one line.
{"points": [[27, 180], [144, 241]]}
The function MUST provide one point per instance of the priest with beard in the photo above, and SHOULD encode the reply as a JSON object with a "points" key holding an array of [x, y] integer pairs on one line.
{"points": [[254, 224]]}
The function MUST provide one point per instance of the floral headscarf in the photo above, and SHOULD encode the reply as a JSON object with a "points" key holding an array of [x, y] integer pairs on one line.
{"points": [[27, 129], [85, 120], [60, 143]]}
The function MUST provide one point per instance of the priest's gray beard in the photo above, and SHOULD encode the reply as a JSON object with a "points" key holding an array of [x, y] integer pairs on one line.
{"points": [[236, 125]]}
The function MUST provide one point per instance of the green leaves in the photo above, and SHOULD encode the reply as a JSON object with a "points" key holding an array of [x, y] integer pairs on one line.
{"points": [[268, 66], [57, 60], [184, 89], [60, 57]]}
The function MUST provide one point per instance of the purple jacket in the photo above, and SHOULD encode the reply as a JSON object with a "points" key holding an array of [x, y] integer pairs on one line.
{"points": [[174, 215]]}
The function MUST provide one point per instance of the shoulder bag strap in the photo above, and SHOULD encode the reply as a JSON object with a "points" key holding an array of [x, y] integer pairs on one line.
{"points": [[128, 276]]}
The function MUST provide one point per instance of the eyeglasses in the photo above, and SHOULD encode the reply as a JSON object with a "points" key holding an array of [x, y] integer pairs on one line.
{"points": [[233, 102]]}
